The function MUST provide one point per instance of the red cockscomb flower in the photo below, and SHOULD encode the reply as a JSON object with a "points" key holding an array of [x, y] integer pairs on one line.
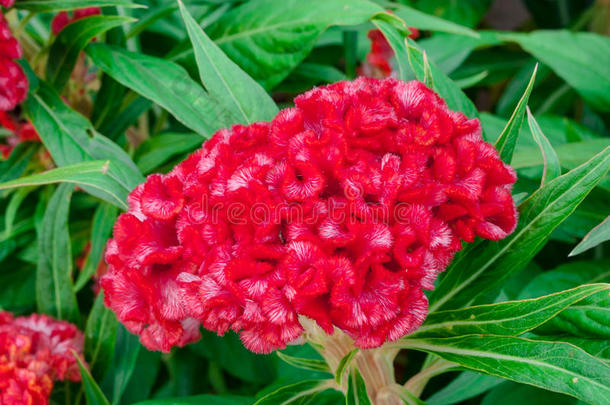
{"points": [[35, 350], [61, 19], [13, 82], [21, 132], [7, 3], [342, 209], [378, 62]]}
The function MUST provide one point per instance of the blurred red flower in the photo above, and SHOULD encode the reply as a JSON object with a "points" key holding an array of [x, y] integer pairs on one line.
{"points": [[35, 351], [61, 19], [13, 82]]}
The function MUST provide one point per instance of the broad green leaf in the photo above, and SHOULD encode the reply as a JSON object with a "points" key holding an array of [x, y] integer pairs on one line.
{"points": [[300, 393], [100, 337], [356, 389], [472, 80], [54, 293], [465, 12], [595, 347], [468, 384], [579, 58], [72, 40], [410, 60], [93, 393], [47, 6], [268, 39], [165, 83], [307, 364], [429, 22], [125, 355], [200, 400], [486, 264], [244, 99], [505, 144], [70, 138], [93, 175], [344, 365], [159, 149], [552, 168], [596, 236], [589, 317], [229, 352], [505, 318], [103, 221], [510, 393], [554, 366]]}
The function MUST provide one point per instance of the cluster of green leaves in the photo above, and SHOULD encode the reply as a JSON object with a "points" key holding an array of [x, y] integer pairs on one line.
{"points": [[515, 320]]}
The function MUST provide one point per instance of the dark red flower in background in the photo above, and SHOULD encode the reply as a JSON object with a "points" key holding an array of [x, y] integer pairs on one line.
{"points": [[21, 131], [342, 209], [378, 62], [13, 82], [61, 19], [35, 351], [7, 3]]}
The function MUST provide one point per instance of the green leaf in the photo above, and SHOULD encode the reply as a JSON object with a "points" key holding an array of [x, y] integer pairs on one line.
{"points": [[165, 83], [268, 38], [554, 366], [506, 142], [428, 22], [486, 264], [307, 364], [356, 389], [100, 336], [468, 384], [93, 393], [238, 93], [589, 317], [579, 58], [510, 393], [229, 352], [200, 400], [70, 138], [410, 59], [17, 162], [159, 149], [598, 348], [125, 355], [47, 6], [93, 175], [506, 318], [300, 393], [72, 40], [344, 364], [552, 168], [103, 221], [596, 236], [54, 293]]}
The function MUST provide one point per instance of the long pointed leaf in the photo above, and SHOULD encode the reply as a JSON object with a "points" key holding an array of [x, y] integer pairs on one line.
{"points": [[237, 92]]}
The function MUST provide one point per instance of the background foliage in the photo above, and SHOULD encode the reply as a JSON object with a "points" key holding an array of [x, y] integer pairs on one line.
{"points": [[535, 74]]}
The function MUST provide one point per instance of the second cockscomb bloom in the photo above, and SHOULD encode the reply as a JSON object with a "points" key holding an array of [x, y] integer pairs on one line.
{"points": [[343, 209]]}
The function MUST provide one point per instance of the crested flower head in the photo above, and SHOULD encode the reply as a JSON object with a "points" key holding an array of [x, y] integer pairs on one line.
{"points": [[35, 351], [342, 209], [13, 82]]}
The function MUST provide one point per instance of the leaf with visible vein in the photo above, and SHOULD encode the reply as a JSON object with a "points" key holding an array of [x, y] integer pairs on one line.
{"points": [[551, 167], [505, 318], [554, 366], [238, 93], [48, 6], [54, 293], [295, 394], [506, 142], [306, 364], [596, 236], [100, 336]]}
